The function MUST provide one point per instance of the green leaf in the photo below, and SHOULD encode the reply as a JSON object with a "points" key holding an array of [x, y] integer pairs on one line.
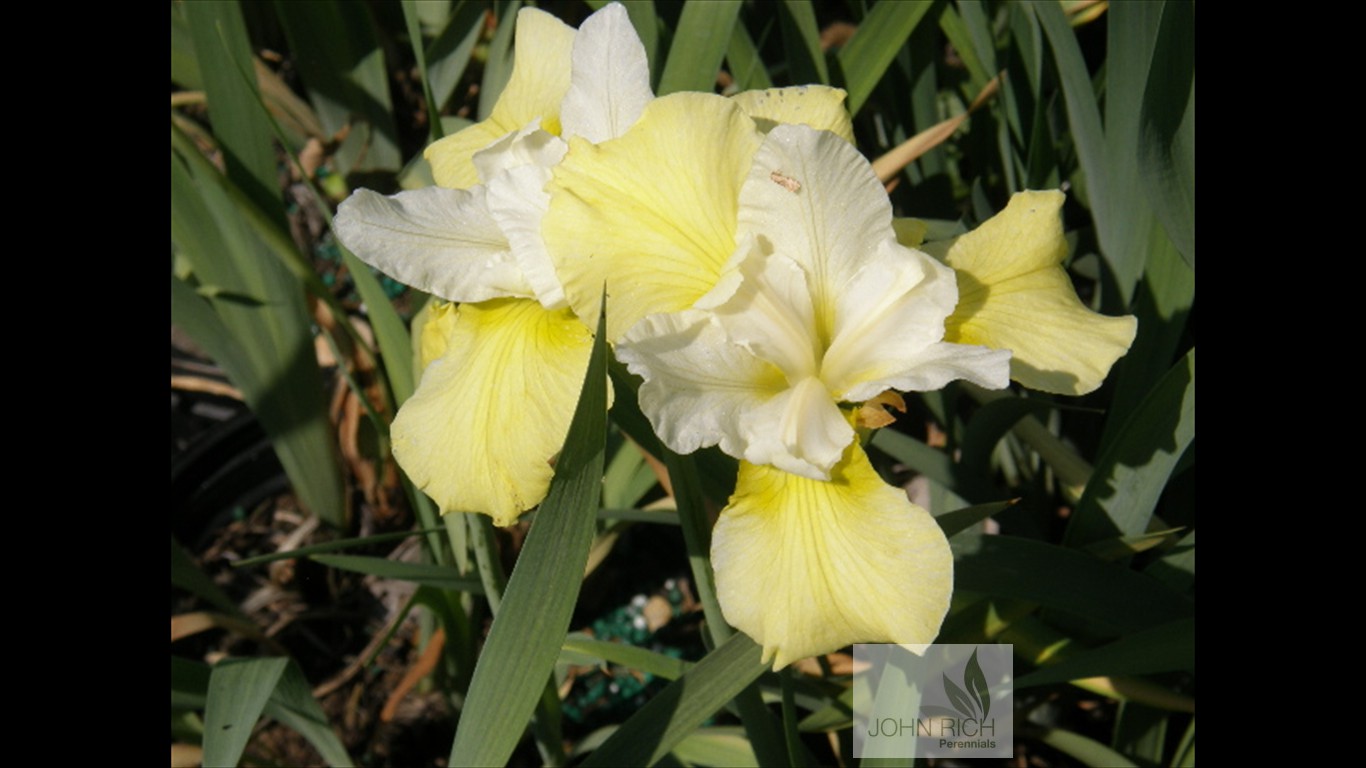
{"points": [[1087, 751], [960, 520], [742, 56], [439, 576], [342, 65], [277, 371], [225, 62], [699, 45], [989, 424], [237, 695], [624, 655], [1131, 473], [186, 575], [1141, 732], [292, 703], [1112, 596], [685, 704], [498, 63], [802, 42], [449, 54], [874, 46], [718, 745], [930, 462], [531, 623], [1166, 140], [1163, 648], [331, 546], [189, 683], [1176, 569]]}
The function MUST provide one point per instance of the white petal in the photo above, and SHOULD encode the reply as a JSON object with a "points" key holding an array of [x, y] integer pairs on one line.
{"points": [[800, 431], [815, 199], [442, 241], [698, 384], [771, 314], [889, 325], [518, 201], [610, 78], [528, 146]]}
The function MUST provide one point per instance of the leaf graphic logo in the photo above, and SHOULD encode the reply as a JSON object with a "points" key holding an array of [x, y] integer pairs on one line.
{"points": [[973, 699]]}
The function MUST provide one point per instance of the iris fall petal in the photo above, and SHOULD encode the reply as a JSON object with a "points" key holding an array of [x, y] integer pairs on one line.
{"points": [[491, 413], [805, 567]]}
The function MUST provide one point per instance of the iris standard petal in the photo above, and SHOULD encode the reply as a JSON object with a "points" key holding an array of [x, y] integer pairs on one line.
{"points": [[488, 417], [806, 567], [1014, 294], [814, 199], [818, 106], [651, 215], [540, 79], [442, 241], [610, 84]]}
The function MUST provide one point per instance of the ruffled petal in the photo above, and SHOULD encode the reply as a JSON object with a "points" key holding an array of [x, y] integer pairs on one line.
{"points": [[488, 417], [818, 106], [814, 199], [889, 326], [1015, 295], [540, 79], [610, 84], [442, 241], [651, 215], [806, 567], [801, 431], [517, 201], [698, 385]]}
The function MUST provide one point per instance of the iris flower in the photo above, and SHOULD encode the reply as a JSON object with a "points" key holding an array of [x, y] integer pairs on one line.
{"points": [[505, 365], [755, 283], [758, 289]]}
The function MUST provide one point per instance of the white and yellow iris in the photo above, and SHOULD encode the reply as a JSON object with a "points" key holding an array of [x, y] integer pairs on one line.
{"points": [[755, 283], [492, 410]]}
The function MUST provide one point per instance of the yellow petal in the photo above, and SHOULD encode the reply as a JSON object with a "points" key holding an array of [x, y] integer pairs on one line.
{"points": [[806, 567], [818, 106], [539, 82], [489, 415], [1014, 294], [651, 215]]}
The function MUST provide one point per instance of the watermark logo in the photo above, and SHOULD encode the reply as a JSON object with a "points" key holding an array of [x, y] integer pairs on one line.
{"points": [[953, 700]]}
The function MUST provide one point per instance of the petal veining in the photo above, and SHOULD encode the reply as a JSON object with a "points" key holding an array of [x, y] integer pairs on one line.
{"points": [[806, 567], [488, 417]]}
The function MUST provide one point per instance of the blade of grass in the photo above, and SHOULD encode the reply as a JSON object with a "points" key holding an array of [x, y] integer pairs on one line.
{"points": [[224, 52], [498, 64], [1163, 648], [186, 575], [742, 56], [1167, 127], [292, 703], [189, 683], [1133, 470], [449, 55], [802, 42], [685, 704], [1085, 750], [413, 24], [718, 745], [530, 626], [961, 519], [628, 656], [915, 454], [332, 546], [237, 695], [874, 46], [1114, 597], [342, 65], [439, 576], [699, 45]]}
